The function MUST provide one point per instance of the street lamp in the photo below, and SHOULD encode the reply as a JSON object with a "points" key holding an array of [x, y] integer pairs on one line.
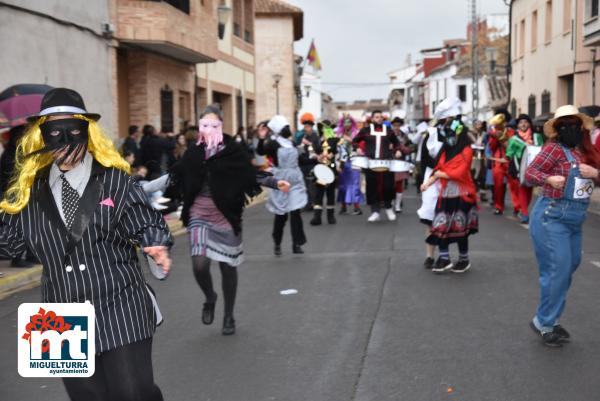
{"points": [[223, 13], [307, 88], [277, 78]]}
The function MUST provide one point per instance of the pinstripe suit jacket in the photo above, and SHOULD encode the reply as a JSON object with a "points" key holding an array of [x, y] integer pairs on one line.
{"points": [[96, 260]]}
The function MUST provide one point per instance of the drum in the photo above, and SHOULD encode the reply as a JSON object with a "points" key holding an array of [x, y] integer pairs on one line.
{"points": [[323, 174], [401, 166], [379, 165], [359, 162], [529, 154]]}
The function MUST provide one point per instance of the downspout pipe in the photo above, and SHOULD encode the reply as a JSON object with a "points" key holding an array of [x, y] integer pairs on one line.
{"points": [[509, 61]]}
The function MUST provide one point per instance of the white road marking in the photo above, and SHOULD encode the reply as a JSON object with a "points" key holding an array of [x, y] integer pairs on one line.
{"points": [[595, 263]]}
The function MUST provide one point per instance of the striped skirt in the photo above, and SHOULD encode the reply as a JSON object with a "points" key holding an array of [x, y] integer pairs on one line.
{"points": [[216, 243]]}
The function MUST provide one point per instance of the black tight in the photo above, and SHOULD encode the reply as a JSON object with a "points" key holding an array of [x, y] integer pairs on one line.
{"points": [[122, 374], [463, 245], [229, 279]]}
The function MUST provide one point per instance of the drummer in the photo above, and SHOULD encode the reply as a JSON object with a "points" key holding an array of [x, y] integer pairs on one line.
{"points": [[377, 142], [515, 150], [327, 153]]}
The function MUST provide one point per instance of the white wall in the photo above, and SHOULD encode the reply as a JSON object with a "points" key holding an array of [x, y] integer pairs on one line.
{"points": [[38, 50], [312, 103]]}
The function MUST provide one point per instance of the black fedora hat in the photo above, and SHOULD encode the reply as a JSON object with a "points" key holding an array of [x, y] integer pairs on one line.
{"points": [[63, 101]]}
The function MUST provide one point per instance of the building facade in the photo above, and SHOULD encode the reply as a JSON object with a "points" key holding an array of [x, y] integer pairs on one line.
{"points": [[551, 65], [278, 26], [231, 80], [159, 45], [51, 42]]}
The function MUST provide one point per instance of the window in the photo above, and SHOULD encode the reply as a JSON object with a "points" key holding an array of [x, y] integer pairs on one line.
{"points": [[534, 28], [522, 39], [545, 102], [531, 106], [248, 21], [548, 25], [513, 107], [567, 16], [239, 106], [594, 9], [166, 109], [462, 93], [237, 18]]}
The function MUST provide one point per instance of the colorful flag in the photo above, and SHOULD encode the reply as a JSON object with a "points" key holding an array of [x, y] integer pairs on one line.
{"points": [[313, 56]]}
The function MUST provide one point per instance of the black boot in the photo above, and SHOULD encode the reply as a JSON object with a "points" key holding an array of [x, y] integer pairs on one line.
{"points": [[277, 250], [208, 311], [331, 216], [228, 326], [297, 249], [316, 220]]}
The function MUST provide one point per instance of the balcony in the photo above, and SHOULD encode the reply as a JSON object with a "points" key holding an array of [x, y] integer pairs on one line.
{"points": [[178, 29], [591, 32]]}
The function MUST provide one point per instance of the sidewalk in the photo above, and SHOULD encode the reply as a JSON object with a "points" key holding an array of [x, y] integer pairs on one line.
{"points": [[16, 280], [595, 204]]}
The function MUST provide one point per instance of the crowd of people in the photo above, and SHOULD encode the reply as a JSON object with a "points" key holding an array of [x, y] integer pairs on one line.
{"points": [[69, 181]]}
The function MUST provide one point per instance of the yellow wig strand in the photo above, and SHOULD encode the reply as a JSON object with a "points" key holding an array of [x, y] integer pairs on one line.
{"points": [[26, 168]]}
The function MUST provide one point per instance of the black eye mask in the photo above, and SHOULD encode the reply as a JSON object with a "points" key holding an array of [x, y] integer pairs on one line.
{"points": [[571, 135], [69, 133]]}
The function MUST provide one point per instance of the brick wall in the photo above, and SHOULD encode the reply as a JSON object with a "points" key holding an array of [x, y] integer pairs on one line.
{"points": [[158, 21], [148, 74]]}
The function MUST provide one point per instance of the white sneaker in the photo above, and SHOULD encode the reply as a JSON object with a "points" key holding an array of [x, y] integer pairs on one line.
{"points": [[391, 215], [162, 199], [373, 217]]}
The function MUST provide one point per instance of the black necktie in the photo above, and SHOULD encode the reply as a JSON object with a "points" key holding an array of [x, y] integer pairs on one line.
{"points": [[70, 201]]}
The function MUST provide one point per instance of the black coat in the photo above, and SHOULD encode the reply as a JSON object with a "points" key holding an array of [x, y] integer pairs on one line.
{"points": [[230, 176], [96, 260], [155, 153]]}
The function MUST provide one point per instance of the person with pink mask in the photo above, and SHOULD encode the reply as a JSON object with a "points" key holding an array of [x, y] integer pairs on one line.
{"points": [[216, 178]]}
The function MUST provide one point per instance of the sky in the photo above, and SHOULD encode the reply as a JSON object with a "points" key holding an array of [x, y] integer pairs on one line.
{"points": [[360, 41]]}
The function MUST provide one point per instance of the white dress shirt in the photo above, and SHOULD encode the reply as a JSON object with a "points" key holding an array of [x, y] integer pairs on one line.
{"points": [[77, 177]]}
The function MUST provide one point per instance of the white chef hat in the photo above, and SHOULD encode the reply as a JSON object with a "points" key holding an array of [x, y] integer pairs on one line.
{"points": [[277, 123], [449, 107]]}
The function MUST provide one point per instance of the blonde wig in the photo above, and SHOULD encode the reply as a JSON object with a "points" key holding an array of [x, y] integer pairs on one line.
{"points": [[26, 168]]}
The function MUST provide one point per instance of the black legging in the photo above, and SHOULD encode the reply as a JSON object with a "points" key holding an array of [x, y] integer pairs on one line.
{"points": [[122, 374], [463, 245], [298, 236], [229, 281], [323, 190]]}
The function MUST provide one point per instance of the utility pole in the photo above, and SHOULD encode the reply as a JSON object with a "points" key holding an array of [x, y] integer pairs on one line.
{"points": [[474, 60]]}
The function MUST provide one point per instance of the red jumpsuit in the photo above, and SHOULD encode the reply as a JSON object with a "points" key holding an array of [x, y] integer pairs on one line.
{"points": [[501, 176]]}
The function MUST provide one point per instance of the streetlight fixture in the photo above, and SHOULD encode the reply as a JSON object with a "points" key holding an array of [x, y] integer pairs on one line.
{"points": [[223, 13], [277, 78], [307, 88]]}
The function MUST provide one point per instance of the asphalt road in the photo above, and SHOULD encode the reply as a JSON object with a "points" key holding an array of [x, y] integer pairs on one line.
{"points": [[368, 322]]}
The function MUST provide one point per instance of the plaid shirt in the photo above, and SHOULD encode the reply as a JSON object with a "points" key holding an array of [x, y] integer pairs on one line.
{"points": [[550, 162]]}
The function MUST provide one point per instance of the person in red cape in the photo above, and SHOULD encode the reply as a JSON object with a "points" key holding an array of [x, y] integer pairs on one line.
{"points": [[456, 213]]}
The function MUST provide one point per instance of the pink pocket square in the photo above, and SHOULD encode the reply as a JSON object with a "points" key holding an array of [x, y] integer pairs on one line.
{"points": [[108, 202]]}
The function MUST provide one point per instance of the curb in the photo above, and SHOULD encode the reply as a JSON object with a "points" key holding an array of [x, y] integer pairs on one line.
{"points": [[25, 279]]}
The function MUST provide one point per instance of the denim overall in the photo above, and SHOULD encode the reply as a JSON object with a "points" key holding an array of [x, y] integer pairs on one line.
{"points": [[556, 233]]}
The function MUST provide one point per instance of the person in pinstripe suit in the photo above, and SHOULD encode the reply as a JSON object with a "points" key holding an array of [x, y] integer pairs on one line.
{"points": [[74, 205]]}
